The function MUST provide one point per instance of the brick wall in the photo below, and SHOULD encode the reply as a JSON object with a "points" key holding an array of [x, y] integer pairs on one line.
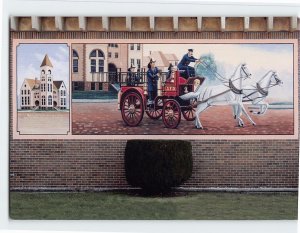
{"points": [[94, 164]]}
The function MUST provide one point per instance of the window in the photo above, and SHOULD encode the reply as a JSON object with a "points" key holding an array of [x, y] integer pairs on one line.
{"points": [[109, 54], [138, 62], [138, 47], [61, 101], [43, 71], [43, 100], [22, 100], [49, 87], [75, 61], [100, 86], [132, 61], [63, 93], [49, 71], [97, 57], [76, 86], [22, 92], [28, 100], [101, 65], [93, 65], [116, 55], [75, 65], [49, 100], [93, 86], [28, 92], [131, 46], [116, 45], [93, 53]]}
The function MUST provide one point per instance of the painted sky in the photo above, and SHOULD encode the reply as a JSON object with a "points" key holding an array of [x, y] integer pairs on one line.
{"points": [[30, 57], [260, 58]]}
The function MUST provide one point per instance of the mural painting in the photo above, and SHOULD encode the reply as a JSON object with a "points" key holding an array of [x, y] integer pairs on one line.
{"points": [[82, 88], [184, 89]]}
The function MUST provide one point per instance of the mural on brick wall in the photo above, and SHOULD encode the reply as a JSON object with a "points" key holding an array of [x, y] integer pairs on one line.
{"points": [[42, 89], [243, 87], [185, 89]]}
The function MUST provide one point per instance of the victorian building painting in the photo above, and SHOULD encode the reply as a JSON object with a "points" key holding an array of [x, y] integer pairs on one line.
{"points": [[43, 93], [43, 89]]}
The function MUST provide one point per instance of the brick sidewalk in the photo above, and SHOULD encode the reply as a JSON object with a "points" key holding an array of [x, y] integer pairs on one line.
{"points": [[105, 119]]}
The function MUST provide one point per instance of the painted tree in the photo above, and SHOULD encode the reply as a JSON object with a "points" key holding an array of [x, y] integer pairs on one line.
{"points": [[207, 70]]}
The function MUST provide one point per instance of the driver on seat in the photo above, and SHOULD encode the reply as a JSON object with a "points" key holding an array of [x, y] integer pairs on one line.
{"points": [[184, 64]]}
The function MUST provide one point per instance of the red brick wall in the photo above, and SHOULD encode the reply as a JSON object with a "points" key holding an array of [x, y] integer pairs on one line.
{"points": [[93, 164]]}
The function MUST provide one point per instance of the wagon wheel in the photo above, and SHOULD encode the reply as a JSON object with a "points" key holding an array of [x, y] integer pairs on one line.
{"points": [[189, 112], [171, 114], [132, 109], [157, 112]]}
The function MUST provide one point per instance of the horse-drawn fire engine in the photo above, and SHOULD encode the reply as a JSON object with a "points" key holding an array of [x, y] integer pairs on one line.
{"points": [[167, 104]]}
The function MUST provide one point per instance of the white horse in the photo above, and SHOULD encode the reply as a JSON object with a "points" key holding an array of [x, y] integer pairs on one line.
{"points": [[256, 94], [208, 96]]}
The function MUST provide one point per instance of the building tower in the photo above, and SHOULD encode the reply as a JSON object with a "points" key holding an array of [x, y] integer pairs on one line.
{"points": [[46, 96]]}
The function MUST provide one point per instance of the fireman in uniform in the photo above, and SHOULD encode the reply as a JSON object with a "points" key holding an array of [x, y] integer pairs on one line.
{"points": [[184, 64], [152, 77]]}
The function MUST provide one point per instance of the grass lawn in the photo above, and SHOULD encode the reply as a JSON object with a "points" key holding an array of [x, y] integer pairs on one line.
{"points": [[126, 206]]}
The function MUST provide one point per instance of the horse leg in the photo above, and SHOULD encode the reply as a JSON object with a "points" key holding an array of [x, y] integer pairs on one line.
{"points": [[200, 108], [263, 108], [246, 114], [237, 115]]}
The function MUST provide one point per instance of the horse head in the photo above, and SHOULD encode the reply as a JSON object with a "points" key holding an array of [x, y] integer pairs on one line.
{"points": [[275, 80], [245, 73]]}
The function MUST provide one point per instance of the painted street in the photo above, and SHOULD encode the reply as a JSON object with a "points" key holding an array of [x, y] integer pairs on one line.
{"points": [[105, 119]]}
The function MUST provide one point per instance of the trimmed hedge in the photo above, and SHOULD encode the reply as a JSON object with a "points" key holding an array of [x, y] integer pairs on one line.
{"points": [[158, 165]]}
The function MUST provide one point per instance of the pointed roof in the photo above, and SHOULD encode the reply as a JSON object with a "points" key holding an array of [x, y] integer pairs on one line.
{"points": [[46, 61], [57, 84], [32, 83]]}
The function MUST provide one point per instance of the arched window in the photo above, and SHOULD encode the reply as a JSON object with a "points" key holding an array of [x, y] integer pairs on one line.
{"points": [[97, 61], [50, 100], [43, 71], [49, 71], [75, 61]]}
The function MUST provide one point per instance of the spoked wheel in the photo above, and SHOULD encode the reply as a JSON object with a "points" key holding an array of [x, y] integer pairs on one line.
{"points": [[132, 109], [171, 114], [156, 112], [189, 112]]}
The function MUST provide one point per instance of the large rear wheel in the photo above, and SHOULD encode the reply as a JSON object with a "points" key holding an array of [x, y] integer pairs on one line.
{"points": [[132, 109], [171, 114], [189, 112]]}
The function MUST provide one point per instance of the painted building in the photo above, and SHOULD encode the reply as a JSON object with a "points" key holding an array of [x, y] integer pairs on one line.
{"points": [[43, 93], [135, 55], [162, 60], [95, 66]]}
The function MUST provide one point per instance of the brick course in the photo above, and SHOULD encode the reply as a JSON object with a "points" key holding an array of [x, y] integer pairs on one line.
{"points": [[93, 164]]}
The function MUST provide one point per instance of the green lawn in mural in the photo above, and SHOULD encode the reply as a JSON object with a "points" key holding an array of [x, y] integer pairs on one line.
{"points": [[132, 206]]}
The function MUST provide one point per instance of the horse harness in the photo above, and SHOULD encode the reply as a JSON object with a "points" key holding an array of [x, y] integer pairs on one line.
{"points": [[234, 89], [261, 90]]}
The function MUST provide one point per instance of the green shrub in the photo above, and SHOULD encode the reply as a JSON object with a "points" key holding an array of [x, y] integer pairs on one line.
{"points": [[158, 165]]}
